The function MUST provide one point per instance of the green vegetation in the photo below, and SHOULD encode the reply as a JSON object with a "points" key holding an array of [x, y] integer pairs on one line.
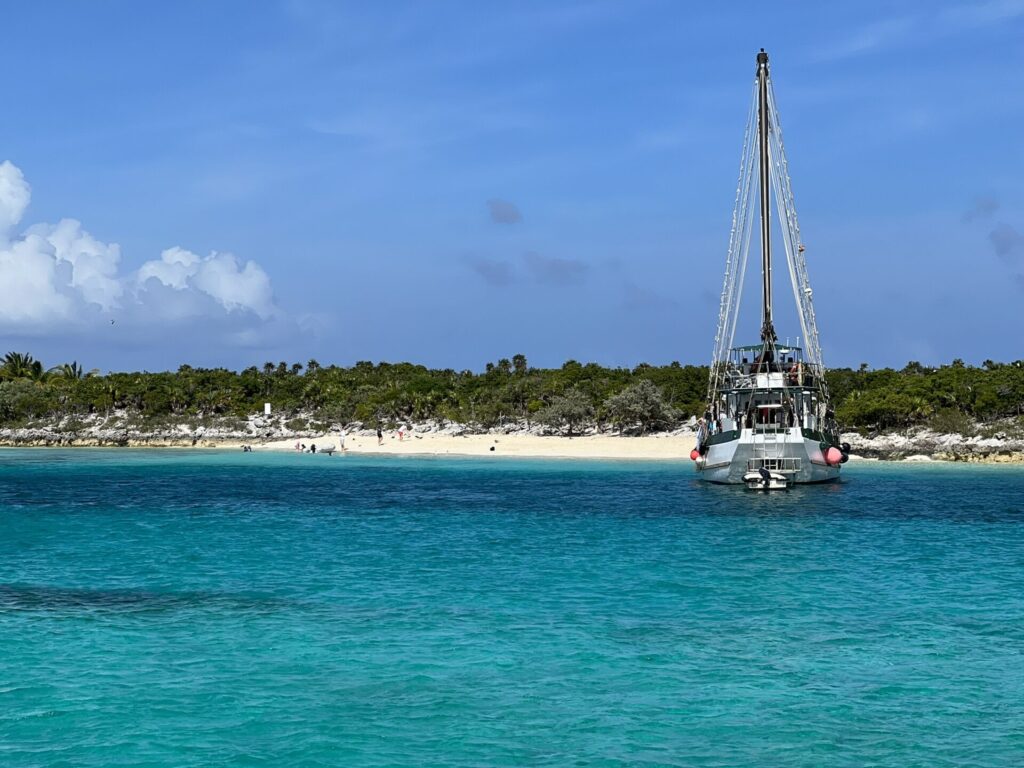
{"points": [[638, 400], [951, 398]]}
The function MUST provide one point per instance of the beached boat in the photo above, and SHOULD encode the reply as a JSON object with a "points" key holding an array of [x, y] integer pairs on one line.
{"points": [[769, 422]]}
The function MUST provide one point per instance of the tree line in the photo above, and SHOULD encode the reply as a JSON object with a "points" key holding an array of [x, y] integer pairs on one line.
{"points": [[571, 397]]}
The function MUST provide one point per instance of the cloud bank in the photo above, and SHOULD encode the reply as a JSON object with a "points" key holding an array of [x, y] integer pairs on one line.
{"points": [[57, 278]]}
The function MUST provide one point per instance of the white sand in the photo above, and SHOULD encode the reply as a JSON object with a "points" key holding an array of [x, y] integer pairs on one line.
{"points": [[675, 447]]}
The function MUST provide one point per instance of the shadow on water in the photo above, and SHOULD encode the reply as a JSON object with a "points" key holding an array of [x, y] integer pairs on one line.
{"points": [[26, 597], [805, 500]]}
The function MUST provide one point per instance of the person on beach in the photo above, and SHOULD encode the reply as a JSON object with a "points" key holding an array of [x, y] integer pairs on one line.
{"points": [[341, 441], [380, 436], [401, 432]]}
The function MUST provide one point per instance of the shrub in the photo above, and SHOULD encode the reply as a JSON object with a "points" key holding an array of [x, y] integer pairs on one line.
{"points": [[640, 405], [950, 421], [572, 410]]}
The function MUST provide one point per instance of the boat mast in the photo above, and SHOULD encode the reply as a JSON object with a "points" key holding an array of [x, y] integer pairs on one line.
{"points": [[767, 326]]}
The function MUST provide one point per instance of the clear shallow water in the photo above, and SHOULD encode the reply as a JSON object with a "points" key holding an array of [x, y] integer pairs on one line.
{"points": [[195, 608]]}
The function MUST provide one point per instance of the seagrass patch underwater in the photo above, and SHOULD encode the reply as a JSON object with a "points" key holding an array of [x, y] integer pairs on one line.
{"points": [[194, 608]]}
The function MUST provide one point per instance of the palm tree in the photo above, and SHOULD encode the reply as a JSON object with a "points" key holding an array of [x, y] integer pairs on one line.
{"points": [[70, 370], [36, 372], [18, 365]]}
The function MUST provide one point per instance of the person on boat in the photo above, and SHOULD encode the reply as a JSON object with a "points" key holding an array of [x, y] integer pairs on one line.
{"points": [[787, 411], [765, 362]]}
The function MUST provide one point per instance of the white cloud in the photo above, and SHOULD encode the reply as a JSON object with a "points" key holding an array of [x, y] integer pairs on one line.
{"points": [[31, 281], [173, 268], [14, 196], [219, 276], [93, 264], [58, 278]]}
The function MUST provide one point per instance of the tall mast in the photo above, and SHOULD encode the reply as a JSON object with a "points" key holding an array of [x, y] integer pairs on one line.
{"points": [[767, 326]]}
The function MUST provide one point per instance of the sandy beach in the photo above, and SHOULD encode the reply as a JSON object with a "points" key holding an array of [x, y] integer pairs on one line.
{"points": [[656, 447]]}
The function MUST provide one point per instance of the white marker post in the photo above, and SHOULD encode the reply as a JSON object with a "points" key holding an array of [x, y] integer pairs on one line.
{"points": [[266, 409]]}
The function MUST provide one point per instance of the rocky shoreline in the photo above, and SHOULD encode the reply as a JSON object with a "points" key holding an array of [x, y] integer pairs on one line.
{"points": [[120, 430], [925, 445]]}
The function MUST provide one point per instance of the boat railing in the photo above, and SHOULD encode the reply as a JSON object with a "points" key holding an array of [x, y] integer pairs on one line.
{"points": [[785, 465], [746, 377]]}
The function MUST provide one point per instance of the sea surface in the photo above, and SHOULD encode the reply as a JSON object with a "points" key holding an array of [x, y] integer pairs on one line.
{"points": [[205, 608]]}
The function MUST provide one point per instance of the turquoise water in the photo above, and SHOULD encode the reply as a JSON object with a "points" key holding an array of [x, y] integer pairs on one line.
{"points": [[178, 608]]}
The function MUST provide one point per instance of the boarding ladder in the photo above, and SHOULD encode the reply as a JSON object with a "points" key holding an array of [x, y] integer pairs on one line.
{"points": [[769, 449]]}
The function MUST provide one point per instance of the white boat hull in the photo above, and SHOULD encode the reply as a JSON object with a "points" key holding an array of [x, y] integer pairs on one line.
{"points": [[728, 462]]}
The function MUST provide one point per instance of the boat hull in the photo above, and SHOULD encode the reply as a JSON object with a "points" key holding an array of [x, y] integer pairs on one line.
{"points": [[728, 461]]}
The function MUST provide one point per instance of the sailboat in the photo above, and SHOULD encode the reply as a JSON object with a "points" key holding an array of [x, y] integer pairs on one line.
{"points": [[769, 421]]}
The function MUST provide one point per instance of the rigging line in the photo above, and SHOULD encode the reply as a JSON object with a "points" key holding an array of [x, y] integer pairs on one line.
{"points": [[743, 261], [787, 212], [738, 267], [735, 240], [787, 240], [737, 271], [740, 224], [806, 304], [743, 235]]}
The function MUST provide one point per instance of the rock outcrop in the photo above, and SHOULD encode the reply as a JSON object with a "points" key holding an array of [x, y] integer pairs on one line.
{"points": [[940, 447]]}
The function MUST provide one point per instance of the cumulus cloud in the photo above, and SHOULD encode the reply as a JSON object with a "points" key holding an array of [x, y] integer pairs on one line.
{"points": [[14, 195], [551, 270], [218, 276], [504, 212], [58, 277]]}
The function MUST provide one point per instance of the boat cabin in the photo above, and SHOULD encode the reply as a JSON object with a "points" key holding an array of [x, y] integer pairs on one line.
{"points": [[768, 389]]}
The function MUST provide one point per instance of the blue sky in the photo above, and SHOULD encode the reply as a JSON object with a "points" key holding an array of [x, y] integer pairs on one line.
{"points": [[450, 183]]}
